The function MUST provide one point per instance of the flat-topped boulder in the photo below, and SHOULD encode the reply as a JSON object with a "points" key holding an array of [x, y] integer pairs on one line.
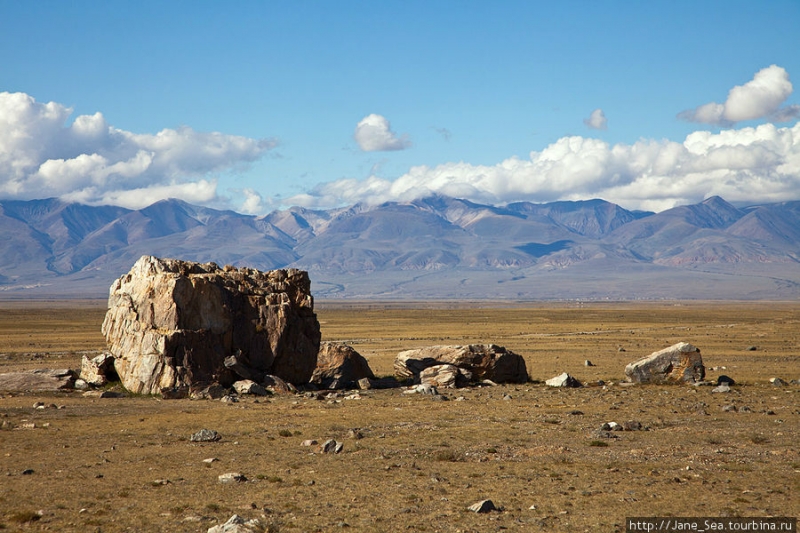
{"points": [[173, 323], [476, 361], [679, 363]]}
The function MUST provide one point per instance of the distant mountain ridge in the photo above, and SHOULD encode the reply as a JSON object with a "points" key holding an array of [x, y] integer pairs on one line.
{"points": [[435, 247]]}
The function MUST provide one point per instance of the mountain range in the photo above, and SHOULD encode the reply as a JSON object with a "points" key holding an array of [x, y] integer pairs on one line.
{"points": [[433, 248]]}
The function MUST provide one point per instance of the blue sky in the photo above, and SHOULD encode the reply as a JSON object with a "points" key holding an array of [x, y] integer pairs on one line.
{"points": [[258, 105]]}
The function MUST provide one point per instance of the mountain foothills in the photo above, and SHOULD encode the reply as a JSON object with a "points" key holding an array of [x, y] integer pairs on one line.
{"points": [[436, 247]]}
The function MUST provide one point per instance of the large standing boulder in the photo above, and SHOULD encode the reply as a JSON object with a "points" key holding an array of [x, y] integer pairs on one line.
{"points": [[480, 361], [173, 323], [340, 366], [677, 364]]}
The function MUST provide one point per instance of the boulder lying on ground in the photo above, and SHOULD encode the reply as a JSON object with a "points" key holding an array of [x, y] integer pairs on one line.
{"points": [[677, 364], [173, 323], [38, 380], [339, 366], [475, 361]]}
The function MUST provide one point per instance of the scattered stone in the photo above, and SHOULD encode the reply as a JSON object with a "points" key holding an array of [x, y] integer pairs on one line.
{"points": [[620, 349], [632, 425], [588, 363], [232, 477], [721, 388], [172, 323], [210, 460], [229, 398], [603, 434], [751, 348], [205, 435], [745, 409], [248, 386], [576, 412], [99, 370], [39, 405], [611, 426], [483, 506], [38, 380], [331, 446], [175, 393], [355, 434], [507, 397], [422, 388], [80, 384], [778, 382], [381, 383], [212, 392], [28, 472], [482, 361], [309, 442], [679, 363], [730, 408], [725, 380], [339, 366], [563, 380]]}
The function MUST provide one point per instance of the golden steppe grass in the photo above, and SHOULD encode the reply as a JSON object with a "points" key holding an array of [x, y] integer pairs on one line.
{"points": [[127, 464]]}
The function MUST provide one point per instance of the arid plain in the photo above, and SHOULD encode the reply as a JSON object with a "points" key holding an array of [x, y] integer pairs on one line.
{"points": [[411, 463]]}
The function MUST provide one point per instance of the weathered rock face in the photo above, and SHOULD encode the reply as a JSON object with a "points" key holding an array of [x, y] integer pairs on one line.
{"points": [[173, 323], [679, 363], [481, 361], [96, 371], [340, 366]]}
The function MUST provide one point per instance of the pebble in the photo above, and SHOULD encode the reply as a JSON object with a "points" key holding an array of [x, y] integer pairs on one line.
{"points": [[721, 388]]}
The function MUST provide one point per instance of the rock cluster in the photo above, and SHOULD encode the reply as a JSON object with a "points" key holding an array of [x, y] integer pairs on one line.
{"points": [[460, 364], [173, 323]]}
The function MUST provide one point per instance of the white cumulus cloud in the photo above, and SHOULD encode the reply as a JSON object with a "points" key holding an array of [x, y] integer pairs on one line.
{"points": [[374, 134], [760, 164], [597, 120], [41, 155], [759, 98]]}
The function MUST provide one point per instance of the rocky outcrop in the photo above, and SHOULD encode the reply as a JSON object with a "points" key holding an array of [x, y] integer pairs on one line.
{"points": [[173, 323], [38, 380], [477, 361], [677, 364], [340, 366]]}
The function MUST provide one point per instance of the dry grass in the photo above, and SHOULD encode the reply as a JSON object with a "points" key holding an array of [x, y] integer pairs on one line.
{"points": [[128, 465]]}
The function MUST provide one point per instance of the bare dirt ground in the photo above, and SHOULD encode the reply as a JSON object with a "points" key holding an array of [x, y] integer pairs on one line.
{"points": [[411, 463]]}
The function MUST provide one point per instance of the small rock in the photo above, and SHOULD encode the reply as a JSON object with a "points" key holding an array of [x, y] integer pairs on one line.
{"points": [[483, 506], [228, 398], [309, 442], [248, 386], [730, 408], [611, 426], [620, 349], [28, 472], [632, 425], [721, 388], [175, 393], [329, 446], [210, 460], [563, 380], [237, 524], [751, 348], [232, 477], [205, 435], [39, 405], [576, 412], [588, 363], [726, 380], [355, 434], [81, 384], [778, 382], [507, 397], [745, 409]]}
